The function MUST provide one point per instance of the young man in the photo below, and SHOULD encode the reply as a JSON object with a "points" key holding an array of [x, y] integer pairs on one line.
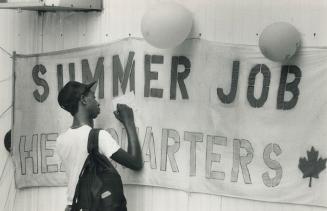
{"points": [[79, 100]]}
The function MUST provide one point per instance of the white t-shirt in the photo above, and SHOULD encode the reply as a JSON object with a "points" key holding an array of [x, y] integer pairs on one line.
{"points": [[72, 149]]}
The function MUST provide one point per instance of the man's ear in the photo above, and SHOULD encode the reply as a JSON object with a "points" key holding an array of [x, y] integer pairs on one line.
{"points": [[83, 99]]}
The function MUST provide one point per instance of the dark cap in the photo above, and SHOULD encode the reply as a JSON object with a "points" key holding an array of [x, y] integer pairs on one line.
{"points": [[71, 93]]}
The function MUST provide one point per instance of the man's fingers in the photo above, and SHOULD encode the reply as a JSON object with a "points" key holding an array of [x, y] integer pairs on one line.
{"points": [[122, 106], [116, 113], [119, 105]]}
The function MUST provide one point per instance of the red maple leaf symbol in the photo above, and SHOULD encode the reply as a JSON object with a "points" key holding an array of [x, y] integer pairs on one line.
{"points": [[312, 166]]}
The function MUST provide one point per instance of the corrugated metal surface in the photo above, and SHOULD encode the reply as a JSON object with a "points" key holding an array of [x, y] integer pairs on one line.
{"points": [[227, 21], [7, 183]]}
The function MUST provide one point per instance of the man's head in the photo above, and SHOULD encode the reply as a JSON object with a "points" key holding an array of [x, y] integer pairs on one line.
{"points": [[75, 94]]}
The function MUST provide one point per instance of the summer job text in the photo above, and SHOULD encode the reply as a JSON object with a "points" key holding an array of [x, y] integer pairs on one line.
{"points": [[121, 76]]}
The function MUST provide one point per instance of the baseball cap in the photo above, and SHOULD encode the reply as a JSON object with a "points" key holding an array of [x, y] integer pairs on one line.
{"points": [[71, 93]]}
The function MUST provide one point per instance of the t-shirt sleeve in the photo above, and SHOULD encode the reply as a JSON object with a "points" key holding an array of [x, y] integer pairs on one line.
{"points": [[107, 144]]}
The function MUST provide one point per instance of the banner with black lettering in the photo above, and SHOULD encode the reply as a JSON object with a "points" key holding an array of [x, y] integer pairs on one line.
{"points": [[211, 118]]}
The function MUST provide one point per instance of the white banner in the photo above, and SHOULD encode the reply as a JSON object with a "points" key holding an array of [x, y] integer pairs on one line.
{"points": [[211, 118]]}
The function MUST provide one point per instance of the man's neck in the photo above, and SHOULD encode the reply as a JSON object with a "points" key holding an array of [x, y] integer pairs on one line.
{"points": [[80, 120]]}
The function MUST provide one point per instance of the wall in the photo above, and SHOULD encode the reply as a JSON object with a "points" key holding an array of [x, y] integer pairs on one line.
{"points": [[7, 186], [226, 21]]}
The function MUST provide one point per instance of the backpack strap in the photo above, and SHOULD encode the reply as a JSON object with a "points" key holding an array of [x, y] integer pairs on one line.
{"points": [[93, 141], [92, 147]]}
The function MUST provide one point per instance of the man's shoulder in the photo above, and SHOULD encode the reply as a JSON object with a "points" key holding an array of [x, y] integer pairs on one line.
{"points": [[73, 133], [61, 135], [61, 139], [104, 133]]}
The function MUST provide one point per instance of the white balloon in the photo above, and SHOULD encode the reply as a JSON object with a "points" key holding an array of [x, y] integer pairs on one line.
{"points": [[166, 25], [279, 41]]}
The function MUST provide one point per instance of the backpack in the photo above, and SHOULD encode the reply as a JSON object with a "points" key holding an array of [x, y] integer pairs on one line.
{"points": [[99, 187]]}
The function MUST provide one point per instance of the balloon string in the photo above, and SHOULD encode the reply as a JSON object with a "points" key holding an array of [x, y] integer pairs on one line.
{"points": [[4, 112], [6, 79], [4, 168], [4, 50]]}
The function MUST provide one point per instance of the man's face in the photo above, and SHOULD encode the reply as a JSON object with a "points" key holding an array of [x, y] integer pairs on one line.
{"points": [[92, 105]]}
